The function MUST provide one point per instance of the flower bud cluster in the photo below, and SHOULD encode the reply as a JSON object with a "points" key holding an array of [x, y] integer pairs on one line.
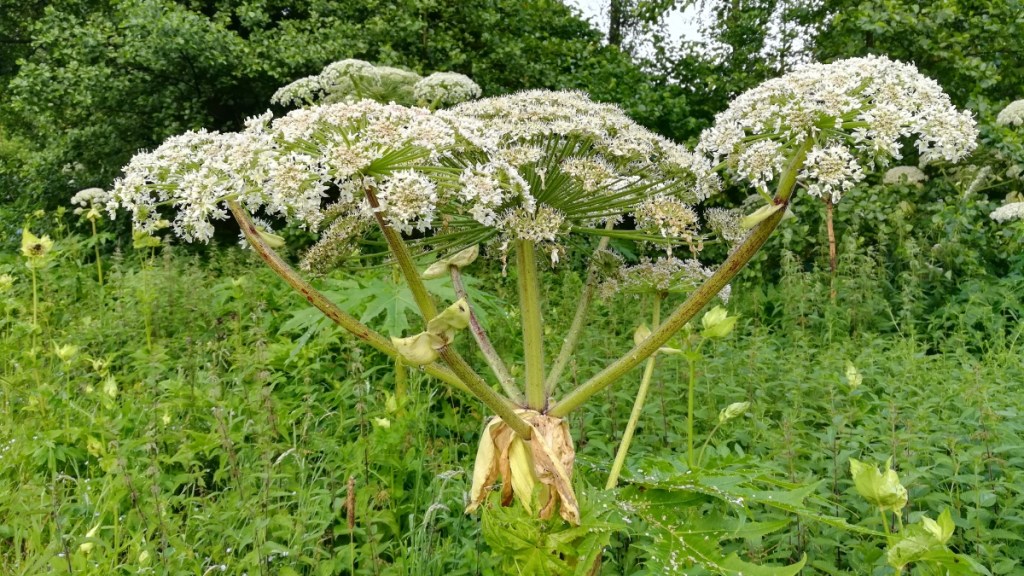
{"points": [[911, 175], [857, 113], [354, 80]]}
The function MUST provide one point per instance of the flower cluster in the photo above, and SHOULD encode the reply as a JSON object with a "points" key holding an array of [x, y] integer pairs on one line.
{"points": [[663, 276], [443, 89], [1007, 212], [669, 218], [725, 223], [854, 113], [89, 202], [1012, 115], [286, 167], [349, 81], [530, 166], [584, 161], [904, 175]]}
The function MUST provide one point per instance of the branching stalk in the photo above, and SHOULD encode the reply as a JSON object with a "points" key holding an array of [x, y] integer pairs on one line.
{"points": [[572, 337], [533, 330], [322, 303], [638, 406], [481, 390], [697, 300], [508, 384], [476, 385], [401, 253]]}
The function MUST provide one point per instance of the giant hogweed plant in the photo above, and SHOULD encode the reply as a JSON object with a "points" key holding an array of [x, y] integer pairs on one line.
{"points": [[521, 176]]}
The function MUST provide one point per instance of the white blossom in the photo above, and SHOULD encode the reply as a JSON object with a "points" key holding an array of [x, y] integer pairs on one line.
{"points": [[666, 275], [904, 175], [667, 217], [1007, 212], [1012, 115], [443, 89], [831, 171], [856, 112]]}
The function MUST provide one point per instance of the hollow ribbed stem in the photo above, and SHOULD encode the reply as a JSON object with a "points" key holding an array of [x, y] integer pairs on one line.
{"points": [[508, 384], [533, 329], [572, 337], [697, 300], [496, 402], [638, 406], [321, 302]]}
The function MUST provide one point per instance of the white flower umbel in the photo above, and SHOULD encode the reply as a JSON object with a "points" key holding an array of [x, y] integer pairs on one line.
{"points": [[856, 113], [1007, 212], [1012, 115], [443, 89], [831, 171], [664, 276], [285, 168], [349, 80], [904, 175], [561, 153]]}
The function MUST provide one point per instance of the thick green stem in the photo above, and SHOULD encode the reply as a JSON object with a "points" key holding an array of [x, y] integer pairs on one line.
{"points": [[405, 262], [533, 329], [638, 406], [476, 385], [572, 338], [322, 303], [508, 383], [697, 300], [481, 390]]}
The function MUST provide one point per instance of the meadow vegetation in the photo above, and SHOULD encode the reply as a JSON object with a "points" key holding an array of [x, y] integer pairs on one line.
{"points": [[850, 404]]}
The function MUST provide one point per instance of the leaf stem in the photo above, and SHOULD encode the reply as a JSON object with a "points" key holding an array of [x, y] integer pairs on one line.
{"points": [[508, 384], [322, 303], [697, 300], [533, 330], [638, 406]]}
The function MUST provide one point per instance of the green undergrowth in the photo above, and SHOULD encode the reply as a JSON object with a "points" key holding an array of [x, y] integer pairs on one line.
{"points": [[193, 417]]}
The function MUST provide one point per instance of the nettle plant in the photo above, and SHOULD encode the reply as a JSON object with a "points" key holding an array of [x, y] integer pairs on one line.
{"points": [[524, 179]]}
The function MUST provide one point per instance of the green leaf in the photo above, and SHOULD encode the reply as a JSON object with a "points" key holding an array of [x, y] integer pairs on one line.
{"points": [[883, 491]]}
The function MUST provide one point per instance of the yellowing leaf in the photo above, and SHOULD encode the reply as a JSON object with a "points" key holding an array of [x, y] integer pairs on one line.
{"points": [[881, 490], [420, 349], [460, 259], [453, 319]]}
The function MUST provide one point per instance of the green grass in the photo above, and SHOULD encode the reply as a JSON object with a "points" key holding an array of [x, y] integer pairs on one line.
{"points": [[198, 431]]}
